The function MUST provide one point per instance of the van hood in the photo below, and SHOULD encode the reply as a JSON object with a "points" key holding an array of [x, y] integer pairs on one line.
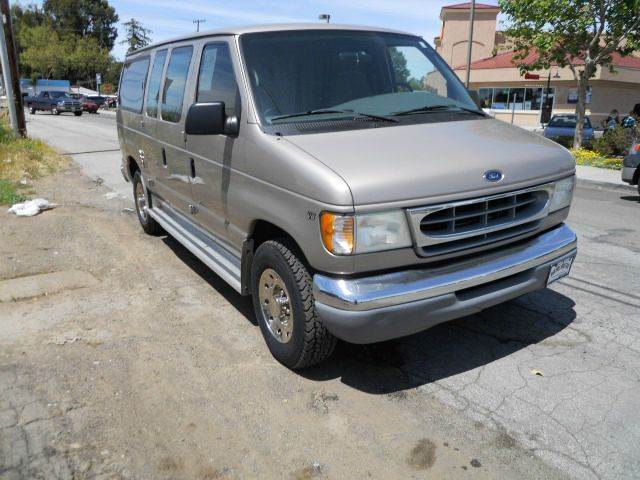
{"points": [[436, 162]]}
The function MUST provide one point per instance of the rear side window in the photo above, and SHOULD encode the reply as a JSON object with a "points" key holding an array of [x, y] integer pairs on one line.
{"points": [[216, 80], [153, 92], [134, 76], [174, 84]]}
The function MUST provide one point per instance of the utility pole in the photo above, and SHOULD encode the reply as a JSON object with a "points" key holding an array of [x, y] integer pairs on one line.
{"points": [[10, 71], [325, 16], [472, 17], [198, 21]]}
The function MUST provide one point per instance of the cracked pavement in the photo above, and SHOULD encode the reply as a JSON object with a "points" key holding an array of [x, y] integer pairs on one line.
{"points": [[159, 371]]}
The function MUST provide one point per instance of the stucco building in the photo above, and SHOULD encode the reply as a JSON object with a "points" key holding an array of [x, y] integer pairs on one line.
{"points": [[511, 96]]}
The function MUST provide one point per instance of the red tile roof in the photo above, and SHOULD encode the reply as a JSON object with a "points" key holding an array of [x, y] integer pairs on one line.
{"points": [[505, 60], [467, 5]]}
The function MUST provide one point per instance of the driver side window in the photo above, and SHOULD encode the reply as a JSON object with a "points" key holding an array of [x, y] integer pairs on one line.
{"points": [[216, 79]]}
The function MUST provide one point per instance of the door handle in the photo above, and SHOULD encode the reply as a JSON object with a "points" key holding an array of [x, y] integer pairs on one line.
{"points": [[192, 166]]}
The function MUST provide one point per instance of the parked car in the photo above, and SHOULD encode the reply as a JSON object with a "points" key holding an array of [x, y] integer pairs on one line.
{"points": [[97, 99], [631, 166], [89, 105], [54, 102], [562, 128], [299, 165]]}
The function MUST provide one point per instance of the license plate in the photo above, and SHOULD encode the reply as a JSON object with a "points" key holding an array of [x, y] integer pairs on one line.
{"points": [[559, 269]]}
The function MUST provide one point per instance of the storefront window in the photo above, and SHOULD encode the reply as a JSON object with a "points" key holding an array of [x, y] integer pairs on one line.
{"points": [[520, 98], [486, 97], [516, 98], [500, 98]]}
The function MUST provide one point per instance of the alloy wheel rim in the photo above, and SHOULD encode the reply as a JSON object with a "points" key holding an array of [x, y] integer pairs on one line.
{"points": [[141, 201], [275, 305]]}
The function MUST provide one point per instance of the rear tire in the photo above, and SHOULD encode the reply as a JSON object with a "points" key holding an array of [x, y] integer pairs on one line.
{"points": [[141, 199], [32, 111], [285, 307]]}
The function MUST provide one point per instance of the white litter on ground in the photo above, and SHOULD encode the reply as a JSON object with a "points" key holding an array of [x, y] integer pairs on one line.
{"points": [[32, 207], [112, 195]]}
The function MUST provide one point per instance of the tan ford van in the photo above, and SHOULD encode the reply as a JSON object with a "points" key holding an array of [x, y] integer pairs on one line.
{"points": [[343, 177]]}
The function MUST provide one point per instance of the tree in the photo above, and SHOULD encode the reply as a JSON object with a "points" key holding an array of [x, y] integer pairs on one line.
{"points": [[85, 18], [85, 59], [136, 35], [402, 72], [68, 39], [30, 16], [44, 53], [582, 35]]}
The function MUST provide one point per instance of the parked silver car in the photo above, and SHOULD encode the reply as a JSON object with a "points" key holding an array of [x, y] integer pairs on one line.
{"points": [[343, 177]]}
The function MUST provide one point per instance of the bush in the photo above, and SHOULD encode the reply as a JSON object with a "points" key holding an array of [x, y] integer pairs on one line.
{"points": [[615, 142]]}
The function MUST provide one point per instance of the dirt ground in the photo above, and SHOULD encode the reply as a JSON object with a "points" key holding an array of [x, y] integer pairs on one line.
{"points": [[158, 370]]}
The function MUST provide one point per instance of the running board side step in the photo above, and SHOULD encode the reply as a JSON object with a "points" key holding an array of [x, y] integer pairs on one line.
{"points": [[218, 259]]}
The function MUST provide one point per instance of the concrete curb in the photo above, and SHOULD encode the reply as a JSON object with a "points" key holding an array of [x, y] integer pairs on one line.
{"points": [[608, 185]]}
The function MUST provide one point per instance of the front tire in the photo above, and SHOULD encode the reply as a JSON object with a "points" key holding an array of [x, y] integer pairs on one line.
{"points": [[77, 114], [55, 111], [283, 303], [32, 111], [141, 198]]}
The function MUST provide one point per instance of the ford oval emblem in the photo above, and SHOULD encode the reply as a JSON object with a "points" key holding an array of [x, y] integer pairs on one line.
{"points": [[493, 175]]}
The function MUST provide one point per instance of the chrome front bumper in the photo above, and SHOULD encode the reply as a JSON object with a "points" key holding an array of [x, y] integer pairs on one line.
{"points": [[375, 308]]}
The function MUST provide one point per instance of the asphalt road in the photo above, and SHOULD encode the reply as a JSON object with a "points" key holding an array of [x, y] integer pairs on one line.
{"points": [[553, 376], [91, 140]]}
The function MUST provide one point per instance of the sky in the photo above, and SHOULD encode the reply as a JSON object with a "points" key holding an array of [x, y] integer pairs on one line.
{"points": [[171, 18]]}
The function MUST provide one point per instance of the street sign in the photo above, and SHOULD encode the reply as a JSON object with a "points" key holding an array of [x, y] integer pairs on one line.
{"points": [[98, 78]]}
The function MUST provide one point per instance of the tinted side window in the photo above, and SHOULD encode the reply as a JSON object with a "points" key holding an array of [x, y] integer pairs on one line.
{"points": [[174, 84], [153, 92], [216, 80], [132, 84]]}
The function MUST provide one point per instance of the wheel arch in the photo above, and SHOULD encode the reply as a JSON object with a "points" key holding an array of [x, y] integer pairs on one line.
{"points": [[262, 231], [132, 167]]}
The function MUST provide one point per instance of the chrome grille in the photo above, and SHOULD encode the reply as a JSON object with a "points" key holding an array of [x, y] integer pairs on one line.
{"points": [[456, 226]]}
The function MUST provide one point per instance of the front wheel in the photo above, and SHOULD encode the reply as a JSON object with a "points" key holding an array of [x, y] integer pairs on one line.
{"points": [[77, 114], [55, 111], [281, 287], [32, 111]]}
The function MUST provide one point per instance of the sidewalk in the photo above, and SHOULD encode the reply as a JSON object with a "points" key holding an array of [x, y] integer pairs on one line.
{"points": [[601, 176]]}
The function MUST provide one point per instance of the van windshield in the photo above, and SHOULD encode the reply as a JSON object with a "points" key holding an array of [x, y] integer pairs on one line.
{"points": [[315, 75]]}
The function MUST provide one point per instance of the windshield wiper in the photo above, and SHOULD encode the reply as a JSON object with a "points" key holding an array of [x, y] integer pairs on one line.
{"points": [[435, 108], [330, 110]]}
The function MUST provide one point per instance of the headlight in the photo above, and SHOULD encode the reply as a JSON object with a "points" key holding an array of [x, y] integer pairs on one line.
{"points": [[348, 234], [562, 193]]}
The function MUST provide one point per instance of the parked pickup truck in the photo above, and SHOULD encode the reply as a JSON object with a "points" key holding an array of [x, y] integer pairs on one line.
{"points": [[54, 102]]}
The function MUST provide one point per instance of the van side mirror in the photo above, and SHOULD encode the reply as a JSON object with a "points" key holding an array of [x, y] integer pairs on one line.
{"points": [[210, 119]]}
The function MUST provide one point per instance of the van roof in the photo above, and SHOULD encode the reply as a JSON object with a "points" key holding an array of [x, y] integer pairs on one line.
{"points": [[279, 27]]}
